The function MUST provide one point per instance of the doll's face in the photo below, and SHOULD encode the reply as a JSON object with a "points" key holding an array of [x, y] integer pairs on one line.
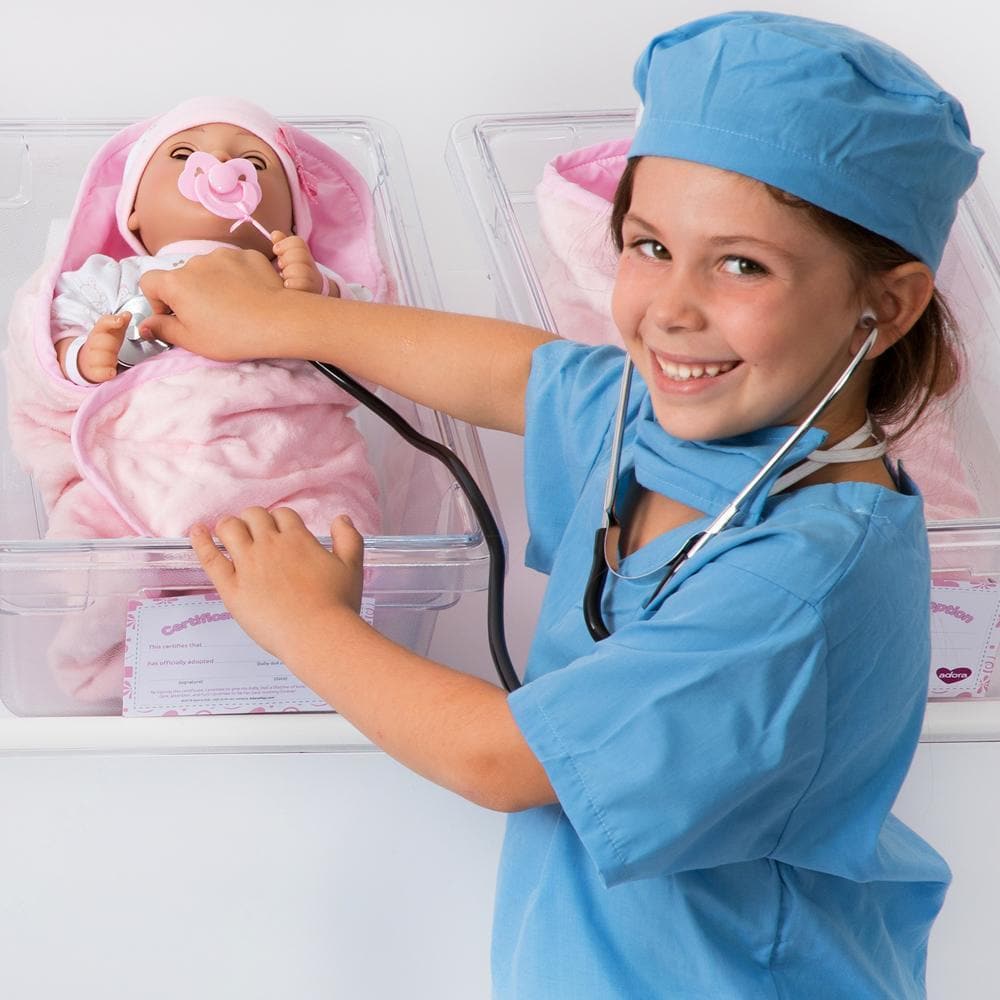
{"points": [[162, 215]]}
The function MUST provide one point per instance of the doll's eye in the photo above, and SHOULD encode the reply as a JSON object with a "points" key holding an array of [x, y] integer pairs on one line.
{"points": [[181, 153]]}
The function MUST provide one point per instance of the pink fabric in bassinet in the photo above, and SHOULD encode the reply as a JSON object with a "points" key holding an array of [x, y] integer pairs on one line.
{"points": [[574, 209]]}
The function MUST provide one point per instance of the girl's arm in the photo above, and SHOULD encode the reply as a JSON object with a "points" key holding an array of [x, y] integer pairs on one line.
{"points": [[230, 305], [299, 601]]}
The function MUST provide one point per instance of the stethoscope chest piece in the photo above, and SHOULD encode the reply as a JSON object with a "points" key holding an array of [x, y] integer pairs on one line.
{"points": [[134, 348]]}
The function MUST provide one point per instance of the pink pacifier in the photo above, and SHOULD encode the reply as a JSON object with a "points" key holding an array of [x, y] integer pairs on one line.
{"points": [[229, 190]]}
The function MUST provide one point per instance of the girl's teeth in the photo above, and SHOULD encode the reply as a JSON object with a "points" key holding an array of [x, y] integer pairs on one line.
{"points": [[681, 373]]}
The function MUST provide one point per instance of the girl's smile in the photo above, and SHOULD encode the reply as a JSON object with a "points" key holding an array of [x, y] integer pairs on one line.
{"points": [[682, 369]]}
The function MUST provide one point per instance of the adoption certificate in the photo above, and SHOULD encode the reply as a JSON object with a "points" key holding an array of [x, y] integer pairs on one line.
{"points": [[965, 635], [187, 656]]}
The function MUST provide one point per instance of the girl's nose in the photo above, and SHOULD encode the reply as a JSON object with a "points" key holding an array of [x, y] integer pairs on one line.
{"points": [[676, 304]]}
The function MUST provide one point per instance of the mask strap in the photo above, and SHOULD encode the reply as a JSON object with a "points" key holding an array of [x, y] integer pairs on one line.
{"points": [[844, 451]]}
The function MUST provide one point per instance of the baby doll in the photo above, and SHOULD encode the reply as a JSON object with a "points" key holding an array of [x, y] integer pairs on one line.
{"points": [[177, 438]]}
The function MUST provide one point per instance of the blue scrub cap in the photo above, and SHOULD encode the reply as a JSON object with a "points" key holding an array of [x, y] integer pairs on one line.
{"points": [[819, 110]]}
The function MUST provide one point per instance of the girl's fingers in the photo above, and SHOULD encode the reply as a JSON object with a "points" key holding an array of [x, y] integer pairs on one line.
{"points": [[219, 569], [234, 533], [286, 519], [259, 521], [348, 544], [161, 326]]}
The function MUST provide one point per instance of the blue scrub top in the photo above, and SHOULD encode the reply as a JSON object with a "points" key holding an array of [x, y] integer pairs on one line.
{"points": [[726, 761]]}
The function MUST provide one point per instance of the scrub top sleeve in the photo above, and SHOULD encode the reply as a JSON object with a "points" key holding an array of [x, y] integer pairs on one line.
{"points": [[569, 409], [686, 741]]}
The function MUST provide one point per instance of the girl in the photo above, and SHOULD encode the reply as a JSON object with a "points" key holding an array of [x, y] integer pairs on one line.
{"points": [[701, 800]]}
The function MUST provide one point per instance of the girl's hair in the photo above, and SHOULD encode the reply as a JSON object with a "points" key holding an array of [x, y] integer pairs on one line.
{"points": [[921, 365]]}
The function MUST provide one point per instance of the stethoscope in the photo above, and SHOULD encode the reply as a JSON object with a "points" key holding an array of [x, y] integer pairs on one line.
{"points": [[594, 590]]}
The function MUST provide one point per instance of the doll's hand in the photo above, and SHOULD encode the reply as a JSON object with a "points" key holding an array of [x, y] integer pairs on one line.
{"points": [[98, 358], [296, 266], [279, 580]]}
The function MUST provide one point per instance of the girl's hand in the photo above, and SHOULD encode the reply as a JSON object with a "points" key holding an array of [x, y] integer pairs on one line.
{"points": [[225, 305], [279, 581], [296, 265]]}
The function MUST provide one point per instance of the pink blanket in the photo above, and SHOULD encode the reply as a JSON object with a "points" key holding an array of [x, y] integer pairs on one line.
{"points": [[178, 438], [574, 208]]}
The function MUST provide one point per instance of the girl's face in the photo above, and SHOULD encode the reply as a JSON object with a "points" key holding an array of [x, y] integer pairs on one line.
{"points": [[162, 215], [738, 313]]}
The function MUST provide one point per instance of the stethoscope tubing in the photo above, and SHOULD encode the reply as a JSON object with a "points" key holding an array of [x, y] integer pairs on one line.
{"points": [[480, 507]]}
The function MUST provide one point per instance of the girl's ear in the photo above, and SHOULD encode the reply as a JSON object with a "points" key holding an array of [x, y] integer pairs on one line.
{"points": [[133, 222], [898, 299]]}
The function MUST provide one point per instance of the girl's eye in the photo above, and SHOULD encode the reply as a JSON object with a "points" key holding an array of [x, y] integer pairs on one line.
{"points": [[743, 266], [259, 163], [651, 248], [181, 153]]}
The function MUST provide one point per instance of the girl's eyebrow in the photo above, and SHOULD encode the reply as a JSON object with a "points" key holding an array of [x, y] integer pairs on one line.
{"points": [[739, 238], [639, 221]]}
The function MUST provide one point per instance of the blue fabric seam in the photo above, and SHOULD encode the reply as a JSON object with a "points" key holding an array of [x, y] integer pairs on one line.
{"points": [[597, 812], [779, 923], [747, 572], [858, 548]]}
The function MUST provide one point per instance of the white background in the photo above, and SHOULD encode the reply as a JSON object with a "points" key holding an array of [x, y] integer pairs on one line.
{"points": [[308, 876]]}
